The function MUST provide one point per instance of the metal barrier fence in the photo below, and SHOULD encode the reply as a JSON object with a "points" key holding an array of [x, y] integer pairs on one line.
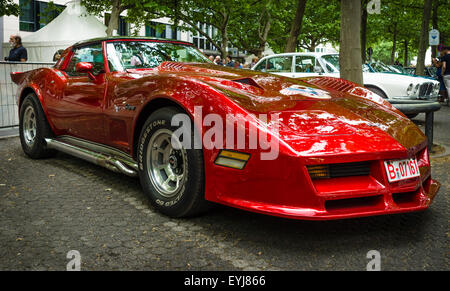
{"points": [[8, 90]]}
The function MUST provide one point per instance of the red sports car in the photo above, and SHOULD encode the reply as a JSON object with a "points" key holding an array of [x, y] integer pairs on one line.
{"points": [[196, 133]]}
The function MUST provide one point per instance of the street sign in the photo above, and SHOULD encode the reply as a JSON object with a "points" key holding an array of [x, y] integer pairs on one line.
{"points": [[434, 37]]}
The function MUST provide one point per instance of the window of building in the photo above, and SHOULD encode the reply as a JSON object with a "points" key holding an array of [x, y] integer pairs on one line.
{"points": [[159, 30], [320, 49], [200, 41], [36, 14], [124, 27]]}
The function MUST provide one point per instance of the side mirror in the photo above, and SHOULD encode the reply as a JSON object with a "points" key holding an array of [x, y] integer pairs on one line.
{"points": [[84, 67]]}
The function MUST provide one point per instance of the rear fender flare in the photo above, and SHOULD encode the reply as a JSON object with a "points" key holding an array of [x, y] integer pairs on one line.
{"points": [[34, 88]]}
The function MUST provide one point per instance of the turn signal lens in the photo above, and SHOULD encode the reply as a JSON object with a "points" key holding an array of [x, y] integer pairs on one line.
{"points": [[319, 171], [232, 159]]}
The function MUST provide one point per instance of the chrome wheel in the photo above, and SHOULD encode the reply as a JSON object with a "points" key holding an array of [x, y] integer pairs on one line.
{"points": [[29, 126], [166, 166]]}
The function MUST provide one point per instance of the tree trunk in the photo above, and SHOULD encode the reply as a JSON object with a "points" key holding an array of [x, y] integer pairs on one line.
{"points": [[423, 43], [224, 31], [406, 61], [364, 30], [224, 44], [394, 43], [113, 23], [434, 21], [350, 41], [296, 26], [265, 34]]}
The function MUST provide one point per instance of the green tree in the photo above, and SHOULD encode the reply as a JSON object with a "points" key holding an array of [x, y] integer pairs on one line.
{"points": [[249, 30], [188, 14], [423, 42], [98, 7], [8, 7], [321, 24], [296, 27]]}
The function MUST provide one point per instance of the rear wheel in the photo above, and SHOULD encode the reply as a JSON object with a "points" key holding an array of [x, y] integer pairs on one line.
{"points": [[172, 176], [34, 128]]}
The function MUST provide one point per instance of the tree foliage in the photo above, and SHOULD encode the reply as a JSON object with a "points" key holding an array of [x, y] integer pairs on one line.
{"points": [[8, 7], [251, 25]]}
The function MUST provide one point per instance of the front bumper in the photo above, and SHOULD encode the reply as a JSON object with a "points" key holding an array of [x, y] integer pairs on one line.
{"points": [[373, 205], [428, 98], [286, 190]]}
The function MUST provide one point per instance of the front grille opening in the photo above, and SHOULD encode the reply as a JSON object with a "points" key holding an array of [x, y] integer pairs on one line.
{"points": [[358, 204], [406, 199], [349, 169], [339, 170]]}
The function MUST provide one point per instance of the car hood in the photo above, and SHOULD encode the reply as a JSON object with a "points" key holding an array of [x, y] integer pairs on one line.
{"points": [[414, 76], [312, 120], [399, 78]]}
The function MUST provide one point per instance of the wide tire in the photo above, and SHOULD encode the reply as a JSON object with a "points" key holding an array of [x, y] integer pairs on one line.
{"points": [[34, 128], [172, 178]]}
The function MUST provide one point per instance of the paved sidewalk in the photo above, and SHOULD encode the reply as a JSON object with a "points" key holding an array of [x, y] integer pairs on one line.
{"points": [[49, 207], [9, 132]]}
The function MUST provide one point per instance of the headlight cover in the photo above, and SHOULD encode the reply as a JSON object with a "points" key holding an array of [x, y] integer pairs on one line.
{"points": [[409, 91], [436, 89]]}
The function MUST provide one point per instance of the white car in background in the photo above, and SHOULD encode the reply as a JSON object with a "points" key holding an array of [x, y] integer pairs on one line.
{"points": [[387, 85]]}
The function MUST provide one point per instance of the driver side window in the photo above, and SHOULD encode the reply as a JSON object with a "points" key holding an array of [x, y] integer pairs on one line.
{"points": [[89, 54]]}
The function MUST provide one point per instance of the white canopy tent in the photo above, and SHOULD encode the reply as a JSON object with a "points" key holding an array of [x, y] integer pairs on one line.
{"points": [[72, 25]]}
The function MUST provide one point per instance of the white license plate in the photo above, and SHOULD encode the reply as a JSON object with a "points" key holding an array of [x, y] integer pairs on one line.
{"points": [[397, 170]]}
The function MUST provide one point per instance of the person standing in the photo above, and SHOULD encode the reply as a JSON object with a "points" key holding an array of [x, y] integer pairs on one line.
{"points": [[229, 62], [17, 53], [438, 64], [446, 67], [218, 61], [254, 61]]}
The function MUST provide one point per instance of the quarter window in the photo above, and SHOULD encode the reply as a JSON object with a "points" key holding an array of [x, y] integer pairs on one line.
{"points": [[305, 64], [280, 64], [90, 54]]}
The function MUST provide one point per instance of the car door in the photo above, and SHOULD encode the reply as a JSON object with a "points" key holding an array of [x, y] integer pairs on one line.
{"points": [[83, 96]]}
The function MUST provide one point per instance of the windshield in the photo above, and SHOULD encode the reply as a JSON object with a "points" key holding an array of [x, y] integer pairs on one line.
{"points": [[331, 62], [380, 67], [148, 54]]}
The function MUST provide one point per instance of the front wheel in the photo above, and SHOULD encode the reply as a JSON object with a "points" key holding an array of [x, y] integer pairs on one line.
{"points": [[172, 176], [377, 91]]}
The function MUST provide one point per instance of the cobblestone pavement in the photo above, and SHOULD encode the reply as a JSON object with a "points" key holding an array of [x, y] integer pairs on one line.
{"points": [[49, 207], [441, 125]]}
